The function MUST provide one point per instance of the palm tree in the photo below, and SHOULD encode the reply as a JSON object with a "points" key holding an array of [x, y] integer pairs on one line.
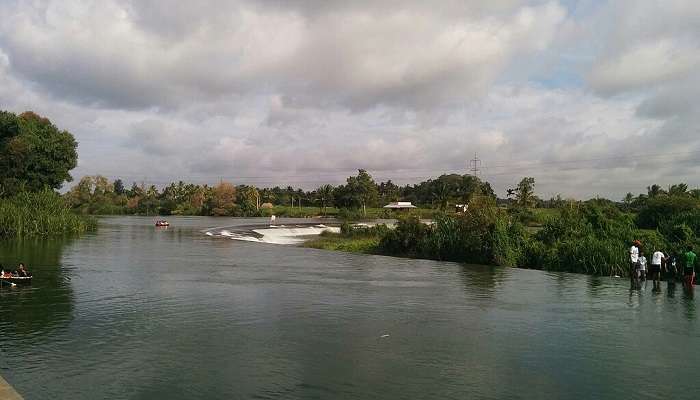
{"points": [[324, 195], [441, 194], [680, 189], [654, 190]]}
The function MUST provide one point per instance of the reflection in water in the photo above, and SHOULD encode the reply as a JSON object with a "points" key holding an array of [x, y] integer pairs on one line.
{"points": [[481, 281], [44, 305], [595, 285], [671, 288], [689, 302]]}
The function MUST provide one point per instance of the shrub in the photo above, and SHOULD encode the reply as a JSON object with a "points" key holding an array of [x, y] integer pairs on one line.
{"points": [[40, 214]]}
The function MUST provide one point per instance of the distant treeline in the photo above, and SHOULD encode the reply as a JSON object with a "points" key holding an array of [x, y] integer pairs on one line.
{"points": [[98, 195]]}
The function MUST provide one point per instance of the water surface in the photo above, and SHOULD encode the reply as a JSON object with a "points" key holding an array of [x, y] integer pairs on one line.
{"points": [[135, 312]]}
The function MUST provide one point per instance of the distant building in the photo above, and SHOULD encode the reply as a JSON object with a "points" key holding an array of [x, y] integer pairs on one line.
{"points": [[400, 205], [461, 208]]}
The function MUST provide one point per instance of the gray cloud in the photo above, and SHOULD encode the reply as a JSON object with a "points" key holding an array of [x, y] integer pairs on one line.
{"points": [[306, 92]]}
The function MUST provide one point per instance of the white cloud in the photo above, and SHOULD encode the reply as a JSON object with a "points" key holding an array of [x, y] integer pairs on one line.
{"points": [[305, 92]]}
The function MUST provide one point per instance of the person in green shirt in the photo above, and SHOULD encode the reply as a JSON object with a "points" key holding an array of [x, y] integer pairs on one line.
{"points": [[689, 268]]}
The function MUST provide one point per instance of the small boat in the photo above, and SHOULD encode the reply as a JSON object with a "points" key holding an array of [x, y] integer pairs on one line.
{"points": [[162, 223], [19, 280]]}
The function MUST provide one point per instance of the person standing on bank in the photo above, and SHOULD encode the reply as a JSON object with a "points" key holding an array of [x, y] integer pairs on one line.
{"points": [[655, 269], [642, 267], [634, 265], [689, 269]]}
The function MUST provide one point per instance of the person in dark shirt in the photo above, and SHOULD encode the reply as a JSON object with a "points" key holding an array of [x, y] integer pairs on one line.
{"points": [[21, 271]]}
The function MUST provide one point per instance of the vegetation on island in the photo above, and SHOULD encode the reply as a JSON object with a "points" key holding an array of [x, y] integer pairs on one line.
{"points": [[35, 159], [591, 237]]}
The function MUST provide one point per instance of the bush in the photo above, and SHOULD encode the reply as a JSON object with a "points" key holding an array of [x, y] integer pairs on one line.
{"points": [[659, 209], [40, 214], [406, 239]]}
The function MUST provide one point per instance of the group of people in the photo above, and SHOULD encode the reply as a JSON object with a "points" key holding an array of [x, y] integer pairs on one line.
{"points": [[21, 271], [673, 268]]}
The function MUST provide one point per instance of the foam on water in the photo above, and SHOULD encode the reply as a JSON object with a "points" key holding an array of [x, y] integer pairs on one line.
{"points": [[275, 234]]}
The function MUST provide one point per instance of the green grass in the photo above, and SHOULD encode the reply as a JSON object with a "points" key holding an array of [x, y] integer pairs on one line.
{"points": [[301, 212], [344, 214], [543, 214], [338, 242], [40, 214]]}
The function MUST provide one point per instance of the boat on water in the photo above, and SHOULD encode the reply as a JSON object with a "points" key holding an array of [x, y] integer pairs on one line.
{"points": [[19, 280], [162, 222]]}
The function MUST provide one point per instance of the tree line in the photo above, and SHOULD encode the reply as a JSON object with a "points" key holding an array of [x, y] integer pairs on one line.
{"points": [[99, 195]]}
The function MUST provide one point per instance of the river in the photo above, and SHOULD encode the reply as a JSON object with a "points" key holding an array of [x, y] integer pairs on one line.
{"points": [[135, 312]]}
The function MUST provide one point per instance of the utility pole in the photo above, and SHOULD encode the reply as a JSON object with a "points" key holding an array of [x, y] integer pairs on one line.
{"points": [[475, 165]]}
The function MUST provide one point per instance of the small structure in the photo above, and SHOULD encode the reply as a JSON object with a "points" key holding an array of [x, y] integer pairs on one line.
{"points": [[400, 205], [461, 208]]}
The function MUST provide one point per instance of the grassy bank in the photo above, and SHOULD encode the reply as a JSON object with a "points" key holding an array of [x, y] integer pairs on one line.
{"points": [[338, 242], [343, 213], [590, 237], [40, 214]]}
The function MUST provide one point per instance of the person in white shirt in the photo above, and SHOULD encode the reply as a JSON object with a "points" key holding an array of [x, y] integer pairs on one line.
{"points": [[642, 268], [655, 269], [634, 265]]}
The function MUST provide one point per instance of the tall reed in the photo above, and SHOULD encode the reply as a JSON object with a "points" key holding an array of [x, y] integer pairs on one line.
{"points": [[42, 213]]}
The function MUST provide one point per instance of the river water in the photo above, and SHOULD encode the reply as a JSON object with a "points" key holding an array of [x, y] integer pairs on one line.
{"points": [[135, 312]]}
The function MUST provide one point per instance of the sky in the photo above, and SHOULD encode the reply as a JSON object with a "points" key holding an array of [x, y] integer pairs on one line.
{"points": [[591, 98]]}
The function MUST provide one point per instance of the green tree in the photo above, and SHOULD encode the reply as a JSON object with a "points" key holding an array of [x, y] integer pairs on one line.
{"points": [[363, 190], [34, 154], [248, 199], [525, 192], [324, 196], [680, 189], [654, 191], [629, 197], [119, 187], [441, 194], [388, 192]]}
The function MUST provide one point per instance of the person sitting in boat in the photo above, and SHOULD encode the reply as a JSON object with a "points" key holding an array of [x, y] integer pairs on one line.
{"points": [[22, 271]]}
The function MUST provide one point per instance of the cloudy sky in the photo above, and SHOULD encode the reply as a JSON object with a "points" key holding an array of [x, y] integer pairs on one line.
{"points": [[590, 97]]}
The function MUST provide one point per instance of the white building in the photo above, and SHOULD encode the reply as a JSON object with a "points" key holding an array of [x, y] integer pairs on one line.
{"points": [[400, 205]]}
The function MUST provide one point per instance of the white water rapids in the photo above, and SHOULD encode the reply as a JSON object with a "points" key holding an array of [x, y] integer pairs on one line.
{"points": [[276, 234]]}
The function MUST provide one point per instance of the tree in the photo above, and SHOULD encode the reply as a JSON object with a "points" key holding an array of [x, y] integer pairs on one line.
{"points": [[388, 192], [248, 199], [34, 154], [324, 195], [680, 189], [362, 190], [629, 197], [223, 199], [525, 192], [441, 194], [654, 191], [118, 187]]}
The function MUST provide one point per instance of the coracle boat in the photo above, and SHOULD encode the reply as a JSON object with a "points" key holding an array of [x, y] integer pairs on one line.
{"points": [[162, 223], [19, 280]]}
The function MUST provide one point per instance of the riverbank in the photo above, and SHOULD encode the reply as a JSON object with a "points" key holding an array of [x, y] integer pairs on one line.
{"points": [[338, 242], [7, 392], [590, 238]]}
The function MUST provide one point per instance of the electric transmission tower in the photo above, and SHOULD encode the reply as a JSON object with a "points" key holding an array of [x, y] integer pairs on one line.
{"points": [[475, 165]]}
